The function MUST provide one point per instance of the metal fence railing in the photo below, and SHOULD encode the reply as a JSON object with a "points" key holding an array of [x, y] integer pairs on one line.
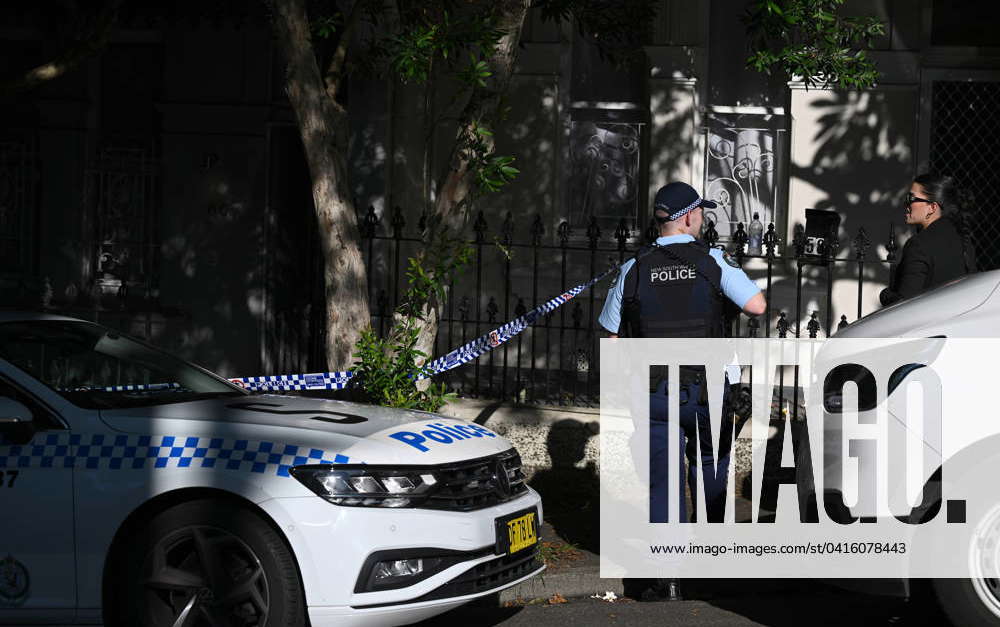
{"points": [[555, 361]]}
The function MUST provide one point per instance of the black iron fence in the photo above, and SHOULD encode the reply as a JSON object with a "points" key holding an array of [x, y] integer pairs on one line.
{"points": [[556, 360]]}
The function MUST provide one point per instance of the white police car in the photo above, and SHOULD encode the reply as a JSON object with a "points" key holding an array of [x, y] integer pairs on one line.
{"points": [[966, 308], [139, 489]]}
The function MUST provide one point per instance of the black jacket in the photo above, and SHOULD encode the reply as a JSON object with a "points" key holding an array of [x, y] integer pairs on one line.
{"points": [[933, 256]]}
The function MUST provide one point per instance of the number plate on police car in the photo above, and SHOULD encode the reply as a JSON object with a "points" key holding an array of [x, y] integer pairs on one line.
{"points": [[517, 531]]}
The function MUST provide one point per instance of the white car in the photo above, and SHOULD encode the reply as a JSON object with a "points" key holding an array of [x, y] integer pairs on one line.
{"points": [[965, 308], [139, 489]]}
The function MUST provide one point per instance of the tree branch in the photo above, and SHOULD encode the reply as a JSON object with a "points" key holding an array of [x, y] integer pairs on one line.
{"points": [[90, 44], [335, 70], [483, 105]]}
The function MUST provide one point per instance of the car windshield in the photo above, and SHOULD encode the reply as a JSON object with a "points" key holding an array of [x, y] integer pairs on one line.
{"points": [[98, 368]]}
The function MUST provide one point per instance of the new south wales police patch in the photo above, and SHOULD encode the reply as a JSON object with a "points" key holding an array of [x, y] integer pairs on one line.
{"points": [[729, 259]]}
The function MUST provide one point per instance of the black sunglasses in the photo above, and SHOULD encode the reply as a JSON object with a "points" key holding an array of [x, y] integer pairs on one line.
{"points": [[910, 199]]}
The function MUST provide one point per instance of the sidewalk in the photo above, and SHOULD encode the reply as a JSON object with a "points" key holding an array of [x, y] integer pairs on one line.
{"points": [[571, 571], [559, 448]]}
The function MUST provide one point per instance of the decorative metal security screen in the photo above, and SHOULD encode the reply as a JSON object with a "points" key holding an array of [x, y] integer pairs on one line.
{"points": [[965, 142], [742, 162], [121, 196], [604, 178]]}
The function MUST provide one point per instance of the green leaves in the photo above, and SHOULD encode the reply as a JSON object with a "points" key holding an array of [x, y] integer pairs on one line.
{"points": [[326, 26], [492, 172], [475, 73], [387, 367], [619, 28], [496, 172], [386, 370], [807, 39], [413, 51], [426, 38]]}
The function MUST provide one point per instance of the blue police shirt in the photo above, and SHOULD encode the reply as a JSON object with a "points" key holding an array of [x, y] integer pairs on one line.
{"points": [[736, 285]]}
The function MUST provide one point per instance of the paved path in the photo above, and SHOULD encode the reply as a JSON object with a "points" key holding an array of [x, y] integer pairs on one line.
{"points": [[764, 604]]}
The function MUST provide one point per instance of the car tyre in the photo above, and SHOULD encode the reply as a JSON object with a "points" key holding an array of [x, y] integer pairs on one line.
{"points": [[969, 601], [206, 562]]}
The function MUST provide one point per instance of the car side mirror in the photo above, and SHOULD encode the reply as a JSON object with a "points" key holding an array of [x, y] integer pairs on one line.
{"points": [[17, 425]]}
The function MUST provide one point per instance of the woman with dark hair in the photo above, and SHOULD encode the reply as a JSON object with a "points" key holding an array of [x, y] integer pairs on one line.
{"points": [[942, 249]]}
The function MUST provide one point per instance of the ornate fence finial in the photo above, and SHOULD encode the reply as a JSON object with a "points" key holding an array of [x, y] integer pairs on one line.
{"points": [[753, 326], [740, 241], [520, 309], [491, 310], [861, 244], [843, 322], [537, 230], [464, 306], [479, 226], [370, 223], [398, 222], [711, 235], [891, 247], [799, 240], [507, 230], [813, 325], [564, 232], [770, 240], [832, 242], [593, 232], [782, 325], [621, 234], [422, 222]]}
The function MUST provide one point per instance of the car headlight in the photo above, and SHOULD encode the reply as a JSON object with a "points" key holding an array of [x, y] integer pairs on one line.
{"points": [[366, 486]]}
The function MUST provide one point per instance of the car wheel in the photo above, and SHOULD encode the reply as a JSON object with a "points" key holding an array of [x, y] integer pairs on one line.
{"points": [[975, 601], [969, 601], [207, 563]]}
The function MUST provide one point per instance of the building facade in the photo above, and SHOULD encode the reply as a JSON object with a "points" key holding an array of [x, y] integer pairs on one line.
{"points": [[160, 187]]}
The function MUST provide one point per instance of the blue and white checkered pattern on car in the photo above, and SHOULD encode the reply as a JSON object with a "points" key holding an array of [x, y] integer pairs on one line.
{"points": [[101, 451]]}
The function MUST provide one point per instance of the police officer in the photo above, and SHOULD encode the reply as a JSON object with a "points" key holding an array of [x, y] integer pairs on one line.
{"points": [[679, 288]]}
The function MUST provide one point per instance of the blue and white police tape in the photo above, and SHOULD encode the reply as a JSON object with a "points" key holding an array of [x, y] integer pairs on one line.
{"points": [[137, 387], [460, 356], [280, 382]]}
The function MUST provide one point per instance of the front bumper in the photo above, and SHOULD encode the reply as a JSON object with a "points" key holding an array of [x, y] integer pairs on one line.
{"points": [[408, 612], [331, 544]]}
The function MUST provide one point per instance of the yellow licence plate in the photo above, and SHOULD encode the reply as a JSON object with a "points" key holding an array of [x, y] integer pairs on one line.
{"points": [[522, 532]]}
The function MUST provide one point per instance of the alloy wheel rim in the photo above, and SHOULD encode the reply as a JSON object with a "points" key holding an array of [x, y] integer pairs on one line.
{"points": [[202, 576], [984, 558]]}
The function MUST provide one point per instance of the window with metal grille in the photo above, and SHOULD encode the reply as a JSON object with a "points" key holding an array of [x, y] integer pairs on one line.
{"points": [[965, 131], [121, 200], [744, 155], [17, 210]]}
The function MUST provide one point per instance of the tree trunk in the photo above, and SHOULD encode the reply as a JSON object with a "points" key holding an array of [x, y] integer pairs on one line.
{"points": [[456, 185], [324, 131]]}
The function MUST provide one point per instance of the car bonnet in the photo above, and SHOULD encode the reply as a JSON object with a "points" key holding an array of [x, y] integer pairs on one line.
{"points": [[331, 430], [913, 314]]}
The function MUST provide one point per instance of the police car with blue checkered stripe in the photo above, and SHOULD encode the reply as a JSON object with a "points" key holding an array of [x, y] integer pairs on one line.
{"points": [[139, 489]]}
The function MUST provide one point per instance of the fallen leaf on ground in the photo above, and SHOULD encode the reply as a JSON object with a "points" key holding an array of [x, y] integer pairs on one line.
{"points": [[556, 599]]}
